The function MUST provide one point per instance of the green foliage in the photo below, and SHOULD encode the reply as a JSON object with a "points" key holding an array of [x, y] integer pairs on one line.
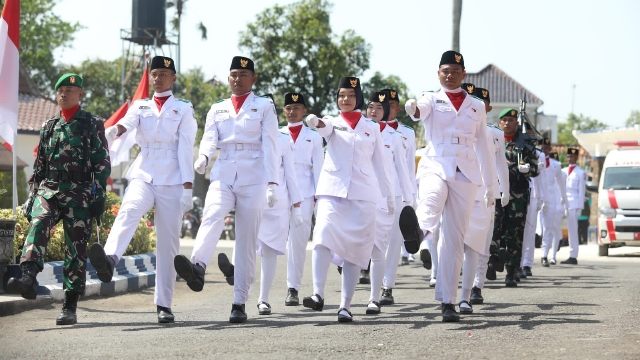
{"points": [[295, 49], [41, 33], [575, 122], [379, 82], [143, 241], [6, 184], [634, 118]]}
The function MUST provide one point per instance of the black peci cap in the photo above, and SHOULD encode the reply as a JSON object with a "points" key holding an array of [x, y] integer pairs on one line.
{"points": [[452, 57], [294, 98], [350, 82], [162, 62], [241, 63]]}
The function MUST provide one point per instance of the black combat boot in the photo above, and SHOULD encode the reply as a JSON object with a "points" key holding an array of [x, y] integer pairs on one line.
{"points": [[27, 285], [68, 314], [510, 279]]}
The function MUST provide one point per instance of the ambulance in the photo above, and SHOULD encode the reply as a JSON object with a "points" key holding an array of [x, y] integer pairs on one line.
{"points": [[619, 198]]}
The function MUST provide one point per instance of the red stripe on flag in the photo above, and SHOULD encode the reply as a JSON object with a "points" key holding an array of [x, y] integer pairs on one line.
{"points": [[612, 198], [8, 146], [142, 92], [11, 14], [611, 230]]}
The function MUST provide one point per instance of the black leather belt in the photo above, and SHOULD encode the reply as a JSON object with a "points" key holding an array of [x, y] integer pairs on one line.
{"points": [[57, 175]]}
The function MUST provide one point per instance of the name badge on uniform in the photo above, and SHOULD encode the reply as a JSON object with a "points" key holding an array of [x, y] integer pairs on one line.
{"points": [[221, 111], [440, 102], [341, 128], [143, 107]]}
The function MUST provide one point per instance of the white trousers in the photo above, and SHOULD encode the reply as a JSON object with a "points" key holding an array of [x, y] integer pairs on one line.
{"points": [[297, 244], [249, 202], [396, 244], [139, 198], [453, 202], [483, 258], [551, 232], [572, 229], [529, 237]]}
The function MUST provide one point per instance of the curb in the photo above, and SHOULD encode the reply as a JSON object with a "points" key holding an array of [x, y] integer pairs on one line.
{"points": [[131, 273]]}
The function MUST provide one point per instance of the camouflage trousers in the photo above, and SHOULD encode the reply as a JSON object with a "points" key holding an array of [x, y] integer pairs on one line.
{"points": [[508, 228], [76, 223]]}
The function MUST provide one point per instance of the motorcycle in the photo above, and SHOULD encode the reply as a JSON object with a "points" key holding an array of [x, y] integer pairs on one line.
{"points": [[230, 225], [192, 219]]}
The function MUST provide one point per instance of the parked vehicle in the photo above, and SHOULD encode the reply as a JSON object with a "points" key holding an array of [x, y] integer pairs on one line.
{"points": [[230, 225], [192, 219]]}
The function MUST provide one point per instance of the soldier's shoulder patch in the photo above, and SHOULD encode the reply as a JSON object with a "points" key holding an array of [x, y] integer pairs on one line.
{"points": [[183, 100], [219, 101]]}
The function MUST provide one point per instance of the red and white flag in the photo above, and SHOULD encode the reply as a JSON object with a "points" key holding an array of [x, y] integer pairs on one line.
{"points": [[119, 150], [9, 69]]}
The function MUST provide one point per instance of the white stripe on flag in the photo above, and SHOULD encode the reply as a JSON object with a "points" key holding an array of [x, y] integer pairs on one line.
{"points": [[9, 70]]}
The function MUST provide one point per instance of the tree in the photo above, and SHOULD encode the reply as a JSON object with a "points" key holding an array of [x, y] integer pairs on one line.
{"points": [[41, 33], [379, 82], [575, 122], [177, 21], [634, 118], [457, 15], [295, 50]]}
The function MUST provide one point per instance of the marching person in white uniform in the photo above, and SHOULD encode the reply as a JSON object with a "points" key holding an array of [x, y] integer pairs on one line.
{"points": [[402, 186], [395, 236], [245, 128], [457, 163], [555, 188], [353, 178], [161, 176], [308, 156], [576, 187]]}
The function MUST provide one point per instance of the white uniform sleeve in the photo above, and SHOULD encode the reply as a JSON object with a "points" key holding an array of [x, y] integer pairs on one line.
{"points": [[290, 174], [561, 180], [503, 168], [424, 105], [270, 142], [401, 168], [380, 167], [131, 119], [317, 159], [582, 188], [209, 140], [186, 137], [327, 130], [487, 168], [411, 159]]}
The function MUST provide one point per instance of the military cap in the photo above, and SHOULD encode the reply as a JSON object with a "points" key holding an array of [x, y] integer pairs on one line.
{"points": [[381, 97], [294, 98], [553, 155], [508, 112], [241, 63], [482, 93], [393, 94], [452, 57], [69, 79], [468, 87], [350, 82], [572, 151], [162, 62]]}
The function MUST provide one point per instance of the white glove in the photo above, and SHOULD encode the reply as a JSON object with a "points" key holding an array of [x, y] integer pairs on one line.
{"points": [[297, 216], [312, 121], [489, 200], [391, 205], [186, 201], [272, 195], [200, 164], [504, 199], [410, 106], [110, 133], [524, 168]]}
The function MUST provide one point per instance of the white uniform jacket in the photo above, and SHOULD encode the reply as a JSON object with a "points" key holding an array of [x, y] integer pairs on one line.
{"points": [[247, 141], [495, 143], [536, 184], [308, 156], [287, 182], [395, 156], [455, 138], [556, 185], [409, 139], [354, 166], [576, 186], [166, 140]]}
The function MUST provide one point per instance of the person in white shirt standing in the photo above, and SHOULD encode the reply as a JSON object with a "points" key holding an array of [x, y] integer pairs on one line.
{"points": [[245, 128], [353, 178], [308, 156], [161, 176], [555, 188], [456, 164], [576, 186]]}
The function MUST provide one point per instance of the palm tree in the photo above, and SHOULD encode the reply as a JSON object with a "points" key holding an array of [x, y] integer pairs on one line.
{"points": [[457, 14], [175, 24]]}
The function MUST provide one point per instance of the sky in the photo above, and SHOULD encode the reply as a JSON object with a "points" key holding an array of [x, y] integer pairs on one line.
{"points": [[575, 55]]}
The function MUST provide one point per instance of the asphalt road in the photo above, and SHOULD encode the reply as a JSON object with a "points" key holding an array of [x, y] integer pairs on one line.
{"points": [[589, 311]]}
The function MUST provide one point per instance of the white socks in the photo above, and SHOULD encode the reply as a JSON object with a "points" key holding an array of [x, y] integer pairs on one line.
{"points": [[350, 275], [320, 262], [378, 267], [469, 268]]}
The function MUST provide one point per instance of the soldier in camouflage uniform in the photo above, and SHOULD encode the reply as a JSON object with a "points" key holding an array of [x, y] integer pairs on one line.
{"points": [[72, 156], [509, 224]]}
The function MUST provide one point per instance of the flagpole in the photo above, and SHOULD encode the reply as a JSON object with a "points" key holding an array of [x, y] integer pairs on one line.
{"points": [[15, 187]]}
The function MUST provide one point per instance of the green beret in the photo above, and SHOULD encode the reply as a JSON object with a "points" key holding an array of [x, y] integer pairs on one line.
{"points": [[69, 79], [508, 112]]}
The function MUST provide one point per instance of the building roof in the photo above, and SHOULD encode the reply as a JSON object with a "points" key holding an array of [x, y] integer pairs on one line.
{"points": [[502, 87], [33, 107]]}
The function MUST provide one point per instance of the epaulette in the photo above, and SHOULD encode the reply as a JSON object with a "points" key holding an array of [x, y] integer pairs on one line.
{"points": [[494, 126], [284, 133], [477, 98], [266, 97], [184, 100], [219, 101], [313, 129], [373, 121]]}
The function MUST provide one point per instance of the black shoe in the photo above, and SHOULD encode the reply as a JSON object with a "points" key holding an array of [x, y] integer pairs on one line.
{"points": [[373, 308], [228, 270], [425, 257], [491, 272], [449, 313], [238, 315], [570, 261], [502, 260], [292, 298], [342, 317], [465, 310], [103, 264], [27, 285], [387, 297], [510, 279], [517, 277], [192, 274], [165, 316], [552, 261], [68, 314], [476, 296], [520, 273], [527, 271], [265, 309], [310, 303], [405, 261], [410, 229], [364, 277], [545, 262]]}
